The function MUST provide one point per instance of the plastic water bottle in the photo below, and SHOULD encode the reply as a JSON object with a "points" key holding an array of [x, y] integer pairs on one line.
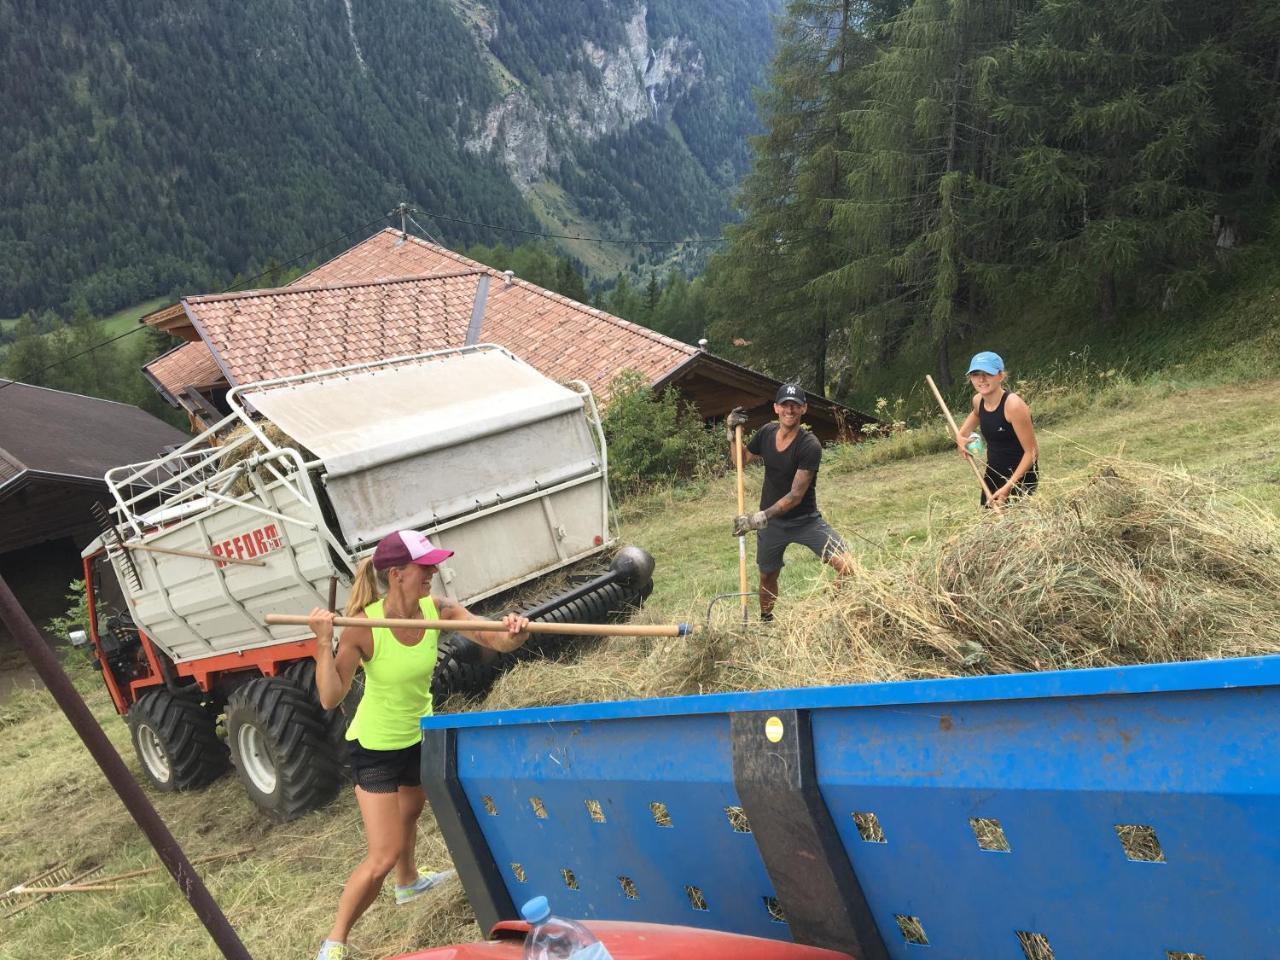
{"points": [[974, 444], [554, 938]]}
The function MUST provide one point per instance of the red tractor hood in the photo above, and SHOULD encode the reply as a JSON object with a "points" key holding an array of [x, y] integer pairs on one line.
{"points": [[636, 941]]}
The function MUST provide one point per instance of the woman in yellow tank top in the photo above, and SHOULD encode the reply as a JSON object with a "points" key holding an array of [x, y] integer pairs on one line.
{"points": [[394, 583]]}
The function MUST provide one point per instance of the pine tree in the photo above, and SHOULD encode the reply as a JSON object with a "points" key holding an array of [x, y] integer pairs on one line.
{"points": [[623, 301], [651, 294], [28, 357], [922, 146], [763, 283], [1253, 133], [569, 281], [1117, 143]]}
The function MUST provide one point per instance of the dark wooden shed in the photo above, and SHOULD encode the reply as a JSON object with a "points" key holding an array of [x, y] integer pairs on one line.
{"points": [[55, 448]]}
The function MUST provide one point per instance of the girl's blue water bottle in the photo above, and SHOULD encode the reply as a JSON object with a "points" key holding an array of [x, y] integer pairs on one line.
{"points": [[554, 938]]}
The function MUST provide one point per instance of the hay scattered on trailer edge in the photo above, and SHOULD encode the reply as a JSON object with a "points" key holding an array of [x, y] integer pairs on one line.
{"points": [[254, 447]]}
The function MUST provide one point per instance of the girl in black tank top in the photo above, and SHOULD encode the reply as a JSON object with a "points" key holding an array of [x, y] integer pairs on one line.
{"points": [[1005, 421], [1004, 450]]}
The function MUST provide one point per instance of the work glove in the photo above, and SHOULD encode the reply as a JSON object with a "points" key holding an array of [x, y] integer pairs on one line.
{"points": [[757, 521], [737, 418]]}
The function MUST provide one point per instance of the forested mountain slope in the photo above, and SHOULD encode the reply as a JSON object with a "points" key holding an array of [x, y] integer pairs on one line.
{"points": [[154, 144], [937, 174]]}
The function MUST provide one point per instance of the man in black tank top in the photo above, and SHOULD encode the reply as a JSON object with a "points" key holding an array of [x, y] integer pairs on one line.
{"points": [[1005, 421], [788, 499]]}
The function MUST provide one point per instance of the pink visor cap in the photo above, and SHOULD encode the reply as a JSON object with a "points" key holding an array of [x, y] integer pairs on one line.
{"points": [[407, 546]]}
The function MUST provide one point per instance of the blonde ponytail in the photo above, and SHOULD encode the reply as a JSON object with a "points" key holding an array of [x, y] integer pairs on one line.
{"points": [[368, 586]]}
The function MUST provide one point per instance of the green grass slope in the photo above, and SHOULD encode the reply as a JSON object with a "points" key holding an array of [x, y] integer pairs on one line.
{"points": [[114, 325], [55, 808], [1231, 331]]}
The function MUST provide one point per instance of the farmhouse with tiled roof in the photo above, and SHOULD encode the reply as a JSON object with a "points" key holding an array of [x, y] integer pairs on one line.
{"points": [[396, 294]]}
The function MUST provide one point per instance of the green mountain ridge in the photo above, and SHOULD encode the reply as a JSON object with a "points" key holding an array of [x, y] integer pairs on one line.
{"points": [[154, 147]]}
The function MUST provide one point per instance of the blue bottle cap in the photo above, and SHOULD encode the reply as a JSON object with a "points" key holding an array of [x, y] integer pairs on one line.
{"points": [[536, 910]]}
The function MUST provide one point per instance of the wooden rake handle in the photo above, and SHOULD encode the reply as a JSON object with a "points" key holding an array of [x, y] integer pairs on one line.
{"points": [[742, 508], [148, 548], [496, 626], [955, 432]]}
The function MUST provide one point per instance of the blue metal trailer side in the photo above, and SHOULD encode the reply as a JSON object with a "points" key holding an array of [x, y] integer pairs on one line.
{"points": [[1110, 814]]}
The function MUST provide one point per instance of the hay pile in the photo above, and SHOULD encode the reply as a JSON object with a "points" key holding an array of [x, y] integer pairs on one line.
{"points": [[252, 448], [1140, 565]]}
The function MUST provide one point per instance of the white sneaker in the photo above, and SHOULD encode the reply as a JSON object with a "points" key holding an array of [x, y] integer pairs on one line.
{"points": [[412, 891]]}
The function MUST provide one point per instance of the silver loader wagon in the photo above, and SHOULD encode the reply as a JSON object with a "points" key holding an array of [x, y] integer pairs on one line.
{"points": [[271, 510]]}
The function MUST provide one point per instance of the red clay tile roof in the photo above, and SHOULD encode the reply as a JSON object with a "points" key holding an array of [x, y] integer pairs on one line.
{"points": [[564, 339], [263, 334], [384, 257], [189, 365]]}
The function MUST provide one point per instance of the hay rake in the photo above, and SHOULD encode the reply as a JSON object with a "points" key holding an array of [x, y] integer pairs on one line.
{"points": [[26, 894]]}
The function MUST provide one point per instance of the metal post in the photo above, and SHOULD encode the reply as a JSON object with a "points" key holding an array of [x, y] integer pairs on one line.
{"points": [[118, 775]]}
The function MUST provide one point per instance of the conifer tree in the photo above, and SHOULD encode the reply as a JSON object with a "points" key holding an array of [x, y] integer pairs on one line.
{"points": [[28, 356], [651, 295], [1116, 142], [922, 146], [762, 284], [623, 301], [569, 281]]}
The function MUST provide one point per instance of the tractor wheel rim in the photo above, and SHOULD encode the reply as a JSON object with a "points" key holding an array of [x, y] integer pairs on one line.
{"points": [[153, 754], [255, 759]]}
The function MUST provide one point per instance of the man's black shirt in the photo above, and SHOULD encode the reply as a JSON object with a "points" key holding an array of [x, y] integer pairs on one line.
{"points": [[805, 453]]}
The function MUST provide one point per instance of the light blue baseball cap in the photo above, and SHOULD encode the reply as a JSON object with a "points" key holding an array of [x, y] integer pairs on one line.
{"points": [[986, 362]]}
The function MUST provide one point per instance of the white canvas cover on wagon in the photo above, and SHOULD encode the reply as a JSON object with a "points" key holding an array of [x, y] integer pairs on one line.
{"points": [[441, 445]]}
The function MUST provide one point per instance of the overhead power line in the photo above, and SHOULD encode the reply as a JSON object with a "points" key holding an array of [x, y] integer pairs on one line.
{"points": [[128, 333], [365, 226], [564, 236]]}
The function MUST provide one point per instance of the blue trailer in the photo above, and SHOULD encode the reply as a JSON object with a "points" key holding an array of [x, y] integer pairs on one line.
{"points": [[1115, 814]]}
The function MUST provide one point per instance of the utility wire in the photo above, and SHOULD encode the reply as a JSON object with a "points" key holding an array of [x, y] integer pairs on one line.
{"points": [[140, 327], [563, 236], [365, 226], [425, 231]]}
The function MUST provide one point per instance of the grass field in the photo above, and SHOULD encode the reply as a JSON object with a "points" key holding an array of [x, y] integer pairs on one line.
{"points": [[126, 319], [56, 808], [122, 321]]}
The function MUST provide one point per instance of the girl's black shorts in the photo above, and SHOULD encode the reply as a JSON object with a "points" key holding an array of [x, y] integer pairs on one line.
{"points": [[385, 771]]}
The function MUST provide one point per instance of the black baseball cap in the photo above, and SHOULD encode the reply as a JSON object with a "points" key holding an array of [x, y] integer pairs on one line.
{"points": [[790, 393]]}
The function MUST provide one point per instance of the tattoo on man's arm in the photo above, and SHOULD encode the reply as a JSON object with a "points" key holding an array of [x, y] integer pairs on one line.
{"points": [[799, 487]]}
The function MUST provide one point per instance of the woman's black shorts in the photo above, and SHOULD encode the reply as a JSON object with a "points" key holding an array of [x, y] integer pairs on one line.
{"points": [[386, 771], [1024, 488]]}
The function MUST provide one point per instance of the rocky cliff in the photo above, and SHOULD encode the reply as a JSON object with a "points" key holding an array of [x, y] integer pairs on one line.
{"points": [[632, 82], [159, 146]]}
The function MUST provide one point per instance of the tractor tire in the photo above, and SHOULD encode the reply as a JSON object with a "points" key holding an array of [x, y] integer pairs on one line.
{"points": [[460, 668], [302, 674], [280, 748], [176, 741]]}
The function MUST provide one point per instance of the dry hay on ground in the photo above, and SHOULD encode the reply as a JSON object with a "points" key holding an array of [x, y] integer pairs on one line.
{"points": [[1139, 565]]}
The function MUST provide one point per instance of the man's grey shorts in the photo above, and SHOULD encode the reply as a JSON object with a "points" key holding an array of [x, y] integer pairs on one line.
{"points": [[812, 531]]}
